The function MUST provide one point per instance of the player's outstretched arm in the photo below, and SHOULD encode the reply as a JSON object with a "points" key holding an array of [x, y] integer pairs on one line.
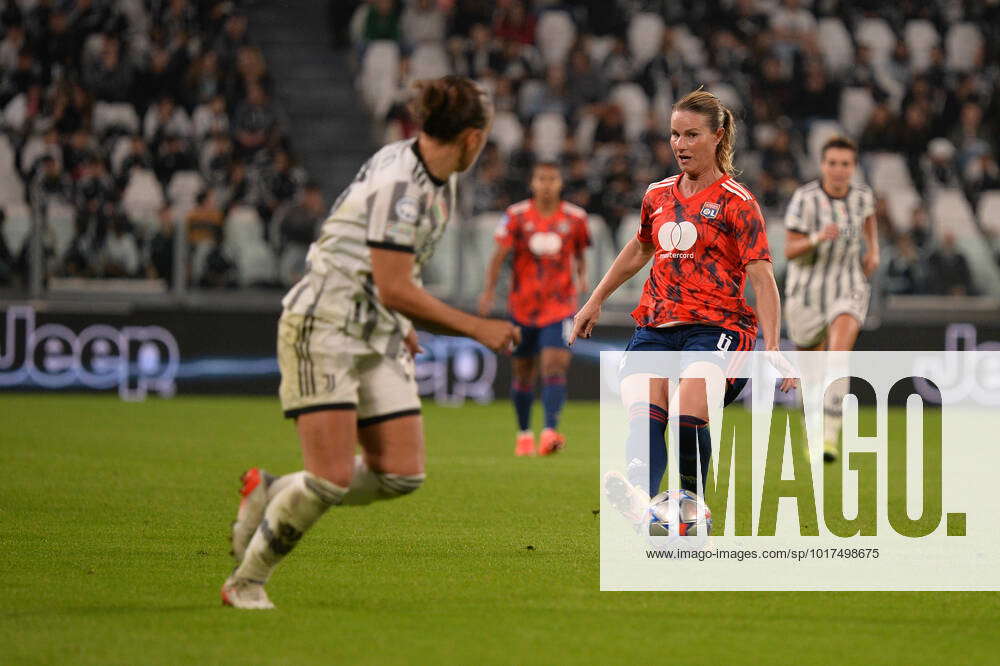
{"points": [[492, 275], [392, 271], [768, 308], [629, 261]]}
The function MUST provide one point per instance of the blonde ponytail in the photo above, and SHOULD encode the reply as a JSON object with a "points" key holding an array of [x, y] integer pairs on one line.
{"points": [[708, 105]]}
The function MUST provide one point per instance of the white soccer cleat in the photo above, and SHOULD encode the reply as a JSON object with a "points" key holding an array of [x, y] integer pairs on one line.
{"points": [[245, 594], [628, 500], [253, 501]]}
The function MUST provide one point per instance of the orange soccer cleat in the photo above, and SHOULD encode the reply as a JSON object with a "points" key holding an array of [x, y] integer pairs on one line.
{"points": [[552, 442], [525, 444]]}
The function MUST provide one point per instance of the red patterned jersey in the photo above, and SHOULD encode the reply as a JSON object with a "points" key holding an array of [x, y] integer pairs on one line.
{"points": [[542, 289], [703, 244]]}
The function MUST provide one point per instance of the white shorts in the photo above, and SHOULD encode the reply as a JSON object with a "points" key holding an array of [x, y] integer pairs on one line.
{"points": [[807, 324], [319, 372]]}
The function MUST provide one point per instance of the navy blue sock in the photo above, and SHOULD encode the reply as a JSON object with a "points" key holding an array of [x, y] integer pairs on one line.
{"points": [[523, 396], [646, 466], [695, 442], [553, 399]]}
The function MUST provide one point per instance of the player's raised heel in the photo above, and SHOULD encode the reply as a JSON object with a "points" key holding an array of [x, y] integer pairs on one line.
{"points": [[627, 499], [253, 501], [525, 445], [552, 442], [245, 594], [830, 452]]}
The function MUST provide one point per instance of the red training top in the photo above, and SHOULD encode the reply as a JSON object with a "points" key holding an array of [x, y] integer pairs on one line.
{"points": [[703, 244], [542, 289]]}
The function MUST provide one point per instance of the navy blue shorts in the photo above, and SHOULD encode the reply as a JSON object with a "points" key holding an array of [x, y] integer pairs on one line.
{"points": [[693, 338], [536, 338]]}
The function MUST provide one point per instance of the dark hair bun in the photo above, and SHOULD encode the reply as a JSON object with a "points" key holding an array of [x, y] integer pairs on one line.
{"points": [[447, 106]]}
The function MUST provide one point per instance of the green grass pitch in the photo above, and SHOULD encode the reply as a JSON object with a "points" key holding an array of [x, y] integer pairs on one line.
{"points": [[113, 519]]}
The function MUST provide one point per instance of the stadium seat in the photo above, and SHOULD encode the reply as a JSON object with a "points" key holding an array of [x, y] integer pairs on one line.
{"points": [[555, 34], [199, 259], [950, 211], [601, 252], [691, 48], [119, 151], [877, 35], [531, 91], [835, 45], [663, 101], [920, 37], [61, 225], [243, 226], [429, 61], [6, 154], [901, 202], [92, 47], [599, 47], [819, 132], [11, 188], [138, 19], [962, 45], [142, 201], [477, 246], [119, 117], [728, 95], [379, 76], [34, 149], [16, 226], [507, 132], [888, 172], [645, 37], [441, 272], [635, 105], [291, 264], [628, 294], [255, 264], [549, 132], [584, 134], [856, 106], [989, 211], [184, 187]]}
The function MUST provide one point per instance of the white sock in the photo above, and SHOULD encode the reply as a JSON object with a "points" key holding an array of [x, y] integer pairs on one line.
{"points": [[368, 486], [281, 483], [833, 410], [299, 504]]}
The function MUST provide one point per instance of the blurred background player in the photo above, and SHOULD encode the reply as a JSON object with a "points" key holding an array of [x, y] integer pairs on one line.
{"points": [[706, 235], [827, 289], [346, 342], [547, 238]]}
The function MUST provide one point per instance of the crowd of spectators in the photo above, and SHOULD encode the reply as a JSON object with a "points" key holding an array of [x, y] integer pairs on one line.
{"points": [[122, 119], [915, 80]]}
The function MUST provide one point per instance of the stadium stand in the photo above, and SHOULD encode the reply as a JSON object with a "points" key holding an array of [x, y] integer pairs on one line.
{"points": [[118, 114], [129, 111]]}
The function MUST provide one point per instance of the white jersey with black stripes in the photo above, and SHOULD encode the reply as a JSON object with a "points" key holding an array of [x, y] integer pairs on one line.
{"points": [[393, 203], [832, 271]]}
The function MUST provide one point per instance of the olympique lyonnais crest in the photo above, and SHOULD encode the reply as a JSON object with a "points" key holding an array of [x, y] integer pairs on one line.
{"points": [[710, 210]]}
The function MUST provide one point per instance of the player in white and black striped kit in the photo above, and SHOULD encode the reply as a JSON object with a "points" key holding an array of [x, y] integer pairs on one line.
{"points": [[346, 341], [826, 286]]}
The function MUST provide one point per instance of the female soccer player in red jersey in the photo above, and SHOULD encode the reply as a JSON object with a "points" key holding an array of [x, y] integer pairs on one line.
{"points": [[705, 234], [547, 238]]}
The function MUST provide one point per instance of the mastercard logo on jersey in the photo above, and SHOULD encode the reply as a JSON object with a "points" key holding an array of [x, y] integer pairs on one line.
{"points": [[677, 236], [544, 243]]}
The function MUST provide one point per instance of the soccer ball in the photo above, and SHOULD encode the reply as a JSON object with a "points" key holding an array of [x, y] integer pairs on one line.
{"points": [[681, 508]]}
